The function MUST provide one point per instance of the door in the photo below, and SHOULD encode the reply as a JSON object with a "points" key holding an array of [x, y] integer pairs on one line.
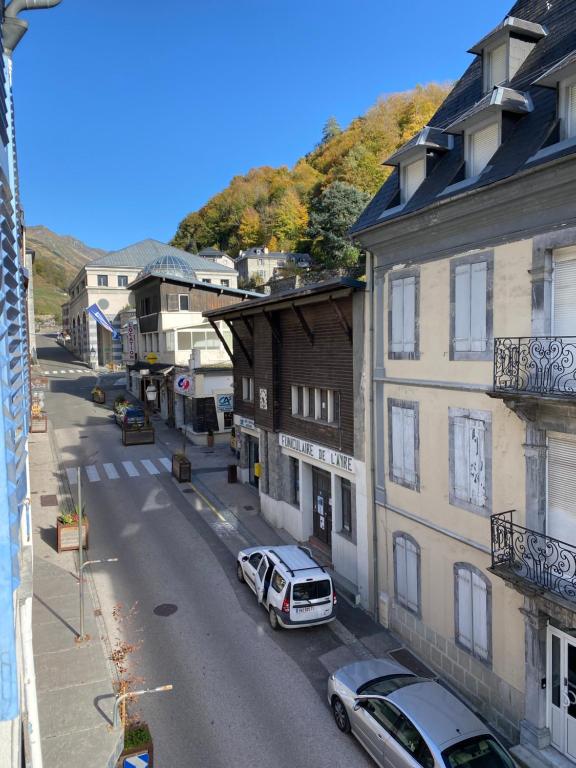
{"points": [[253, 458], [250, 568], [561, 691], [322, 505], [260, 579], [371, 722]]}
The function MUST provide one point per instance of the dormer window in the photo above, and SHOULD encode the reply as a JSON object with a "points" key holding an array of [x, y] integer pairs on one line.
{"points": [[480, 147], [567, 109], [495, 66], [412, 176]]}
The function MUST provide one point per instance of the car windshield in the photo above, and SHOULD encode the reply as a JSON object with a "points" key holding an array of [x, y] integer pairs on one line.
{"points": [[478, 752], [382, 686], [311, 590]]}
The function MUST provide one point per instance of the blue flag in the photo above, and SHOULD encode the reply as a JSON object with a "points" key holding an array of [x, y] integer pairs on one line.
{"points": [[101, 318]]}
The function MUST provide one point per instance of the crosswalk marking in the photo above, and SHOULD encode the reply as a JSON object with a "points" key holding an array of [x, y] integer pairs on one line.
{"points": [[110, 470], [72, 475], [54, 371], [92, 473], [166, 463], [45, 373], [149, 467], [130, 469]]}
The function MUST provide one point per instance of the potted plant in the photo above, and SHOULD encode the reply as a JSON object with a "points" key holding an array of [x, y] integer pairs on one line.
{"points": [[210, 438], [98, 395], [67, 530], [137, 741], [181, 467]]}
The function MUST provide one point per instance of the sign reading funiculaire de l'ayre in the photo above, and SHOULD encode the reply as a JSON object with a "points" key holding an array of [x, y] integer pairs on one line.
{"points": [[318, 452]]}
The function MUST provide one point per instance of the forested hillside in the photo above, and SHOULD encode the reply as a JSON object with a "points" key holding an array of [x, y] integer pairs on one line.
{"points": [[57, 260], [288, 209]]}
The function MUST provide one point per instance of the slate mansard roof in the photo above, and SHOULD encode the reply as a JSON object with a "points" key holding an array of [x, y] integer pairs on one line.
{"points": [[530, 134], [140, 254]]}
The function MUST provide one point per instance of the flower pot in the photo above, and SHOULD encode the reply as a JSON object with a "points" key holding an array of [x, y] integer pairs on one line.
{"points": [[181, 468], [137, 742], [99, 397], [67, 535]]}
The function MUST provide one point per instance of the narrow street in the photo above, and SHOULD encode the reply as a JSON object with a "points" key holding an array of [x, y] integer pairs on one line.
{"points": [[243, 694]]}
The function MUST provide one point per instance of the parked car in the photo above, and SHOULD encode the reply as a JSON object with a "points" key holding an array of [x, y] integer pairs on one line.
{"points": [[119, 409], [294, 589], [131, 416], [404, 720]]}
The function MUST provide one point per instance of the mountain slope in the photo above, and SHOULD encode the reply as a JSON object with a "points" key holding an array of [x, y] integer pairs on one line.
{"points": [[58, 258]]}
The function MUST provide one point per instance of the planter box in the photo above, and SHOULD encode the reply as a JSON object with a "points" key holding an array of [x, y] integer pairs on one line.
{"points": [[99, 397], [145, 749], [67, 536], [181, 469], [140, 436]]}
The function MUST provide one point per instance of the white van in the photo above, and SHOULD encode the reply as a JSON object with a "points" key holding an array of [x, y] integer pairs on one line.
{"points": [[295, 590]]}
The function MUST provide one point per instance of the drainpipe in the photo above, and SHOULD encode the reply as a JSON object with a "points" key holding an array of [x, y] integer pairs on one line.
{"points": [[13, 28]]}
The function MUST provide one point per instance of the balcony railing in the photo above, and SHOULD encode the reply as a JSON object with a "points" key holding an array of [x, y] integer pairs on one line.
{"points": [[544, 365], [539, 561]]}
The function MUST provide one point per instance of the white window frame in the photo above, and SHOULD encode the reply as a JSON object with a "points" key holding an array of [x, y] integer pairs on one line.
{"points": [[403, 443], [248, 389], [180, 297], [567, 120], [405, 168], [403, 315], [473, 611], [472, 171], [407, 572], [99, 284], [470, 461], [487, 62]]}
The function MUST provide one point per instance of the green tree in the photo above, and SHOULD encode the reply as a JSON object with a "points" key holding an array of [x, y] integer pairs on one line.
{"points": [[331, 215], [289, 220], [331, 129]]}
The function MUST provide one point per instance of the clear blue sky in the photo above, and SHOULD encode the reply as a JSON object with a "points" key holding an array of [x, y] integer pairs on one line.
{"points": [[130, 114]]}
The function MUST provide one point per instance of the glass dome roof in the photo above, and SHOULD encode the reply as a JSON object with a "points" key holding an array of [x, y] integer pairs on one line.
{"points": [[170, 266]]}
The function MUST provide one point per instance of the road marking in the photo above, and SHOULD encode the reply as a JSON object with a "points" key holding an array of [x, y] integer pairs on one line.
{"points": [[92, 473], [71, 370], [45, 373], [210, 506], [62, 371], [166, 463], [72, 475], [110, 470], [149, 467], [54, 371], [130, 469]]}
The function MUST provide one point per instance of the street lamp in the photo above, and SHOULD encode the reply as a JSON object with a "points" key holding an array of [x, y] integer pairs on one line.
{"points": [[151, 393]]}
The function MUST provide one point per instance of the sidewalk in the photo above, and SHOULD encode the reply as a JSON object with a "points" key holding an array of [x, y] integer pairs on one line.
{"points": [[74, 681]]}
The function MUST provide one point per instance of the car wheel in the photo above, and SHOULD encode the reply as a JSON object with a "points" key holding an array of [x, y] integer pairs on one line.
{"points": [[340, 715], [240, 573], [273, 619]]}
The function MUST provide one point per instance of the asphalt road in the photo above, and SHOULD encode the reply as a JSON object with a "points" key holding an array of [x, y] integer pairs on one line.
{"points": [[243, 695]]}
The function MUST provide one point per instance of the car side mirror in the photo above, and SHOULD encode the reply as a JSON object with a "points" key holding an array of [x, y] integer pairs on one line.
{"points": [[245, 558], [357, 705]]}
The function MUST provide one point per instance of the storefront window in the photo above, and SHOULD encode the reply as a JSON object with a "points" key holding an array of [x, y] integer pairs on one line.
{"points": [[346, 493], [295, 482]]}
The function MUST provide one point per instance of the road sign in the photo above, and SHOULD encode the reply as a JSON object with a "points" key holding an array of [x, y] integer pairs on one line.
{"points": [[137, 761], [151, 358]]}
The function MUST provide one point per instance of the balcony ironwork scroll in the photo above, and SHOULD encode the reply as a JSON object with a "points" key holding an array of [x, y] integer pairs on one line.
{"points": [[532, 557], [543, 365]]}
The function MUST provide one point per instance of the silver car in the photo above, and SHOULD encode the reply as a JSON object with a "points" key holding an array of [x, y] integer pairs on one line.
{"points": [[406, 721]]}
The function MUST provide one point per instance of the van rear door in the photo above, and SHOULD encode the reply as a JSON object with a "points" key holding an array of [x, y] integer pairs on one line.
{"points": [[311, 599]]}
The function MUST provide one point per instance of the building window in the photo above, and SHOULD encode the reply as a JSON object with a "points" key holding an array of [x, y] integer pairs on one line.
{"points": [[473, 611], [471, 307], [470, 459], [206, 280], [102, 280], [295, 482], [346, 500], [228, 419], [412, 176], [568, 109], [122, 281], [248, 389], [316, 403], [184, 340], [403, 443], [169, 341], [225, 283], [495, 66], [403, 297], [184, 302], [480, 146], [407, 572]]}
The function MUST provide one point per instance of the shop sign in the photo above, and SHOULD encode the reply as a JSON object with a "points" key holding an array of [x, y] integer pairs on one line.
{"points": [[242, 421], [225, 402], [131, 342], [324, 455], [183, 385]]}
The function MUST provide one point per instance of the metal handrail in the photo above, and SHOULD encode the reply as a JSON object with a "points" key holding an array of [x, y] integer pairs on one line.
{"points": [[543, 365]]}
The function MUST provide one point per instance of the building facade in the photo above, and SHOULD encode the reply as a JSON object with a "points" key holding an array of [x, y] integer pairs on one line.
{"points": [[262, 265], [299, 420], [473, 276], [104, 283]]}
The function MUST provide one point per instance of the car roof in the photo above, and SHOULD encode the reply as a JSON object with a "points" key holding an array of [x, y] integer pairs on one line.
{"points": [[437, 713], [297, 560], [361, 672]]}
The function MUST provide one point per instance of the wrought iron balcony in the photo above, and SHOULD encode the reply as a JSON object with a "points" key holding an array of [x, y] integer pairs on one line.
{"points": [[541, 365], [541, 563]]}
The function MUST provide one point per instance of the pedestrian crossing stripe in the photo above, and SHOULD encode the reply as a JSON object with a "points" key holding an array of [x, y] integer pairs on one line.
{"points": [[149, 467], [92, 473], [67, 370], [72, 475], [130, 469], [137, 761], [111, 471], [166, 463]]}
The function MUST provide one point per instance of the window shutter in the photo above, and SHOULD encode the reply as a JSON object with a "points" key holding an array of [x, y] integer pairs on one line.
{"points": [[294, 400], [462, 308], [411, 575], [401, 580], [461, 459], [172, 302], [571, 111], [409, 318], [414, 175], [397, 315], [397, 443], [483, 144], [561, 488], [498, 65], [565, 297], [477, 433], [464, 591], [480, 615], [408, 428], [478, 306]]}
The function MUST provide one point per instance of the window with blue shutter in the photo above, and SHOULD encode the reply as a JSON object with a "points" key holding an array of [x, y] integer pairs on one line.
{"points": [[403, 317], [472, 611]]}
